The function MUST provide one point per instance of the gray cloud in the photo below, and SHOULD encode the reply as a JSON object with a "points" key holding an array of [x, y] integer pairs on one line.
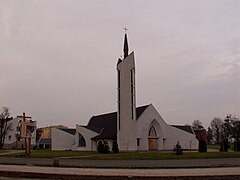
{"points": [[58, 58]]}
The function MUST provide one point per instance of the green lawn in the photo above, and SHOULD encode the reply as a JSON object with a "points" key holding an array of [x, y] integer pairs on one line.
{"points": [[130, 155], [53, 154], [217, 146], [2, 151], [213, 146]]}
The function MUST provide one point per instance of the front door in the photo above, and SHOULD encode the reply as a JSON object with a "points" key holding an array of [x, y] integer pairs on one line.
{"points": [[152, 139], [153, 145]]}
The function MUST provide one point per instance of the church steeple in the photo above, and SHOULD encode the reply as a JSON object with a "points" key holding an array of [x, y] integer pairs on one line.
{"points": [[125, 47], [126, 102]]}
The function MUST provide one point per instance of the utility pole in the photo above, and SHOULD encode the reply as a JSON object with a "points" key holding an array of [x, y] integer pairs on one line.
{"points": [[25, 135]]}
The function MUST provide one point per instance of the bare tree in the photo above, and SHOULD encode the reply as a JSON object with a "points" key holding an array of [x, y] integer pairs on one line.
{"points": [[5, 126], [236, 134], [216, 127], [197, 125], [231, 130], [209, 135]]}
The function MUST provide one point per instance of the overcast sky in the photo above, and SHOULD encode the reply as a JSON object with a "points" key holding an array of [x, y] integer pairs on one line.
{"points": [[58, 57]]}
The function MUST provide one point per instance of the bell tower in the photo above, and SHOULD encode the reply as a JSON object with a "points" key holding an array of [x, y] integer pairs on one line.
{"points": [[126, 116]]}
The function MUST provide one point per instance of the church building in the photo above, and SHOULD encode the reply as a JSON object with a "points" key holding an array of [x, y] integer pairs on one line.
{"points": [[133, 128]]}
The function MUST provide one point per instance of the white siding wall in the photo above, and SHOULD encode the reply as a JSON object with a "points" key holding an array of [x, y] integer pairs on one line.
{"points": [[61, 140], [87, 134], [11, 135], [187, 140], [126, 134], [167, 135]]}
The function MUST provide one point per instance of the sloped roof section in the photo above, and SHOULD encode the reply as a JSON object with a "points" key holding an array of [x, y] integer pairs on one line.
{"points": [[184, 128], [106, 124], [68, 130]]}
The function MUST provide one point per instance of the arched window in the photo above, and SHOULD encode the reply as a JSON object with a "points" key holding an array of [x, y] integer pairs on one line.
{"points": [[81, 141], [152, 132]]}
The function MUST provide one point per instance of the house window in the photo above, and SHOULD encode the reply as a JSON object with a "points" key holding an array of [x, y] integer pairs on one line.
{"points": [[138, 141], [81, 141], [9, 137]]}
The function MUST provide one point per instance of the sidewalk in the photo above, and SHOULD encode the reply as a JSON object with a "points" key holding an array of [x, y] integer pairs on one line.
{"points": [[92, 173], [11, 152], [42, 168]]}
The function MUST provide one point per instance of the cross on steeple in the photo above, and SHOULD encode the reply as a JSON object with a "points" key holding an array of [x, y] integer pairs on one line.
{"points": [[125, 30]]}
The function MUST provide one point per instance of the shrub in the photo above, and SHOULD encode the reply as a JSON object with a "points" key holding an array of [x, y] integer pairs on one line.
{"points": [[236, 146], [106, 149], [100, 147], [224, 146], [103, 148], [202, 146], [178, 149], [115, 147]]}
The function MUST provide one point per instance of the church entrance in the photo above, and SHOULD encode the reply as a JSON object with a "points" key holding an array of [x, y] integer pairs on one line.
{"points": [[153, 145], [152, 139]]}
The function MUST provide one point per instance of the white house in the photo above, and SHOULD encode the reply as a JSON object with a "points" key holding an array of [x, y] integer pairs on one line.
{"points": [[133, 128], [13, 139]]}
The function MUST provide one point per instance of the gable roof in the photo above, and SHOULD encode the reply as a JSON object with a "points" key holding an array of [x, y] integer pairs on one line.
{"points": [[185, 128], [68, 130], [106, 124]]}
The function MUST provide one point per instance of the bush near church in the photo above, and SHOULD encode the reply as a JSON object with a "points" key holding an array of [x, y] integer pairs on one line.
{"points": [[202, 146], [115, 147], [178, 149], [236, 146], [224, 146], [103, 148]]}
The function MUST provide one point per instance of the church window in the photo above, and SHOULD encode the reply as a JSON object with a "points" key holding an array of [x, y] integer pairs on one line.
{"points": [[118, 100], [152, 132], [132, 92], [81, 141], [138, 141]]}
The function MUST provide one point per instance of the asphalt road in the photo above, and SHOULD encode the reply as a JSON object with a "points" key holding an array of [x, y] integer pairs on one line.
{"points": [[72, 162]]}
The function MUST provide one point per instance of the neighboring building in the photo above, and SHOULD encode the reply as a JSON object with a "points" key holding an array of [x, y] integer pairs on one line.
{"points": [[63, 138], [45, 143], [44, 140], [13, 139], [134, 129]]}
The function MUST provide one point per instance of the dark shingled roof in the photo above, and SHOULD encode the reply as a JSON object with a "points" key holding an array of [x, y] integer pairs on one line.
{"points": [[70, 131], [184, 128], [45, 141], [106, 124]]}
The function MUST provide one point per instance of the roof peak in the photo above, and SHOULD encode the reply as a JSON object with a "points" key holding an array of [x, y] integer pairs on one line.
{"points": [[125, 46]]}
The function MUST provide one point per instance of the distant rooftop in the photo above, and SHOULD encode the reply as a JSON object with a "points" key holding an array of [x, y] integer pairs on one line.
{"points": [[68, 130], [184, 128]]}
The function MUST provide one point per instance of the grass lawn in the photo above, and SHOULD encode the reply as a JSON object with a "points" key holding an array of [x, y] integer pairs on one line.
{"points": [[2, 151], [217, 146], [129, 155], [213, 146], [52, 154]]}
